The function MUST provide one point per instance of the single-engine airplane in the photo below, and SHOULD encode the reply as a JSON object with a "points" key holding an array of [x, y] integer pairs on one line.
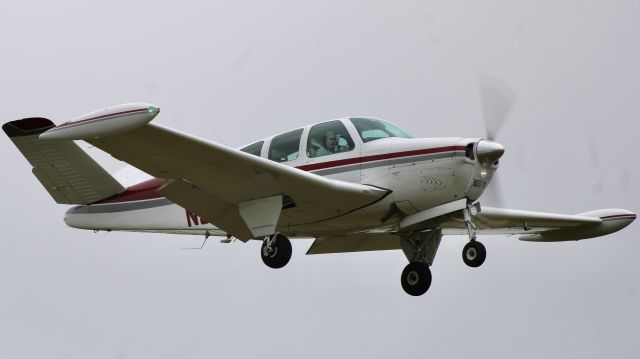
{"points": [[354, 184]]}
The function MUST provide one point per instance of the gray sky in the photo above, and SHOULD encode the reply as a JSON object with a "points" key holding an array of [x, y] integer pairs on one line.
{"points": [[250, 69]]}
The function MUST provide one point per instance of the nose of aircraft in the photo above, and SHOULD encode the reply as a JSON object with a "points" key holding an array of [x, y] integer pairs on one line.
{"points": [[489, 151]]}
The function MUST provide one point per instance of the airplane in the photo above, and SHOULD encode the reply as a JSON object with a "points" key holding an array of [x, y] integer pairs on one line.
{"points": [[354, 184]]}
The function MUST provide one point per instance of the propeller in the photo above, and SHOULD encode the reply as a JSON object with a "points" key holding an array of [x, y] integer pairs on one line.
{"points": [[497, 100]]}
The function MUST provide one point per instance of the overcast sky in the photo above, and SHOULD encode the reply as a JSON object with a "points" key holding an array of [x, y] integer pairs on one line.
{"points": [[245, 70]]}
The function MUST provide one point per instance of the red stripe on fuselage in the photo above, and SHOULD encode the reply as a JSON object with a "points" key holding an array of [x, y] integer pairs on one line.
{"points": [[385, 156], [143, 190], [148, 189]]}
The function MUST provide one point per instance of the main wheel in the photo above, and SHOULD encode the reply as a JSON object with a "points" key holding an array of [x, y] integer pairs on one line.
{"points": [[474, 254], [416, 278], [278, 254]]}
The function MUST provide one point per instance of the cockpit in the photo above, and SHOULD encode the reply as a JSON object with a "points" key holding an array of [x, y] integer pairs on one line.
{"points": [[328, 138], [325, 139]]}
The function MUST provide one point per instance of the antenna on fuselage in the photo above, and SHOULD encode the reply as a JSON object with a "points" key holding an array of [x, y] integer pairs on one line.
{"points": [[220, 138], [227, 240], [206, 236]]}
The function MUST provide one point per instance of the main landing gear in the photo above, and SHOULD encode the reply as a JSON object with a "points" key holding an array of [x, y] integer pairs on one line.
{"points": [[416, 278], [420, 249], [276, 251], [473, 253]]}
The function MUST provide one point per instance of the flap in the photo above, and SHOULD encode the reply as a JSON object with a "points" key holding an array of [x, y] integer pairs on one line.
{"points": [[355, 242]]}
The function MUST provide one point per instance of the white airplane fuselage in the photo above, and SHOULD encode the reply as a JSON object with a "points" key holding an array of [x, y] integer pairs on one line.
{"points": [[420, 174]]}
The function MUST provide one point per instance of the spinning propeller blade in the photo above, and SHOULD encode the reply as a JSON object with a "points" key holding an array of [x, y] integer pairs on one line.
{"points": [[492, 195], [497, 99]]}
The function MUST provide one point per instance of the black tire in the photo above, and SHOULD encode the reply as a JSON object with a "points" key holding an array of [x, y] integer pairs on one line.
{"points": [[280, 253], [416, 278], [474, 254]]}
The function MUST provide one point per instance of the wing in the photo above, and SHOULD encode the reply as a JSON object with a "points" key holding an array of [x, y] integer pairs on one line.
{"points": [[541, 226], [529, 225], [238, 192]]}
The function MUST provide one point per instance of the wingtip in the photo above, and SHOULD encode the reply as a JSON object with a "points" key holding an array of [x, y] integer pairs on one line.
{"points": [[27, 126]]}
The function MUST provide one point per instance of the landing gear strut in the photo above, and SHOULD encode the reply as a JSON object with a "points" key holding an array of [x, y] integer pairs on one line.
{"points": [[473, 253], [276, 251]]}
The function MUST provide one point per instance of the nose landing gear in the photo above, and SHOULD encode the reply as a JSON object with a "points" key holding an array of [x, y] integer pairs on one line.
{"points": [[473, 253]]}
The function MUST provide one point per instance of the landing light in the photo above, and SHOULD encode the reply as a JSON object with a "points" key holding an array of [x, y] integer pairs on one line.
{"points": [[483, 173]]}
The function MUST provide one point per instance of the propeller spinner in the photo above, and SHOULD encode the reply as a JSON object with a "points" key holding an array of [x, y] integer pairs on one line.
{"points": [[489, 151]]}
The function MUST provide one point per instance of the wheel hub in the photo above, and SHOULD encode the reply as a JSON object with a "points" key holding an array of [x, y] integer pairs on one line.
{"points": [[472, 253]]}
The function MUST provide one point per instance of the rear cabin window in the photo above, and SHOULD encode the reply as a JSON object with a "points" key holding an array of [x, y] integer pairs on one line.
{"points": [[371, 129], [328, 138], [285, 147], [254, 149]]}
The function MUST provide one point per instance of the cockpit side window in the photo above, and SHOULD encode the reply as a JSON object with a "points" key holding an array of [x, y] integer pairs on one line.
{"points": [[285, 147], [254, 149], [371, 129], [328, 138]]}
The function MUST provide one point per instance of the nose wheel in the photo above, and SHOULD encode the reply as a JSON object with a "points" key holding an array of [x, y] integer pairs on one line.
{"points": [[474, 254], [416, 278], [276, 251]]}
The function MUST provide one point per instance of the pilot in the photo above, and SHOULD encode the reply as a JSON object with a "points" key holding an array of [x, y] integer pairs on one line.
{"points": [[330, 144]]}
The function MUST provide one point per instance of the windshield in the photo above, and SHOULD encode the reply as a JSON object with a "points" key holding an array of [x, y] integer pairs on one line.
{"points": [[371, 129]]}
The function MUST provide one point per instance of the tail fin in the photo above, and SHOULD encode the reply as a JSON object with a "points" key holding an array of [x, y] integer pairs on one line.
{"points": [[64, 169]]}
